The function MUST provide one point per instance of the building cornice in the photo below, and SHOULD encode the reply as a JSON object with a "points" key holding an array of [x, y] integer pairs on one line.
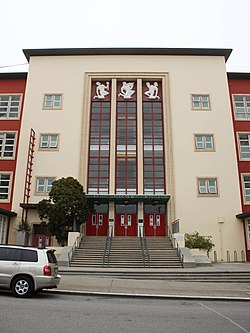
{"points": [[14, 76], [127, 51], [238, 76]]}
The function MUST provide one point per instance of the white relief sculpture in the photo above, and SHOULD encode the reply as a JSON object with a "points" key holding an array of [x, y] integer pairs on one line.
{"points": [[101, 90], [126, 90], [152, 92]]}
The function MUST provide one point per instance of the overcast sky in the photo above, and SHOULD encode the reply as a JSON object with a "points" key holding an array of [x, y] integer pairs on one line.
{"points": [[127, 23]]}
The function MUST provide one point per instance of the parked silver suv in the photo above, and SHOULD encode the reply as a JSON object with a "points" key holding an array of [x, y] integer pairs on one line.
{"points": [[25, 270]]}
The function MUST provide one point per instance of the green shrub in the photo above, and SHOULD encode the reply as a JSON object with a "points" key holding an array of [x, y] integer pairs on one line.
{"points": [[196, 241]]}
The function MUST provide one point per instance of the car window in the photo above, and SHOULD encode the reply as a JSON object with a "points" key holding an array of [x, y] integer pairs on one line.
{"points": [[51, 257], [10, 254], [29, 255]]}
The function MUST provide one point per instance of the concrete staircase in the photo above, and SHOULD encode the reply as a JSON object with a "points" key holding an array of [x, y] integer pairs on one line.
{"points": [[126, 253]]}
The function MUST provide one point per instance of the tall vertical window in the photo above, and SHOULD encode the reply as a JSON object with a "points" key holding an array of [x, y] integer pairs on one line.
{"points": [[3, 229], [244, 145], [248, 232], [126, 161], [241, 106], [7, 145], [4, 186], [246, 187], [98, 168], [153, 145], [10, 106]]}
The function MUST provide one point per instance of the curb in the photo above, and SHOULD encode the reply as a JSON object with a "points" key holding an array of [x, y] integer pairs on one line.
{"points": [[173, 297]]}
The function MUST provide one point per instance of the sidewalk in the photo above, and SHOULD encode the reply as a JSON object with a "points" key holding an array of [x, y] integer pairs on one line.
{"points": [[82, 281]]}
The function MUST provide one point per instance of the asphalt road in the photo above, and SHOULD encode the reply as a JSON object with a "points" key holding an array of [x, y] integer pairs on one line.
{"points": [[71, 313]]}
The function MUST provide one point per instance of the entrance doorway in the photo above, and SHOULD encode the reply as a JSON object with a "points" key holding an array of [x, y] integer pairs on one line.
{"points": [[154, 220], [42, 238], [125, 220], [98, 221]]}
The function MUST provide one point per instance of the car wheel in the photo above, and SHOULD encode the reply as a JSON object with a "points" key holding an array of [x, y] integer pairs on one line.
{"points": [[22, 286]]}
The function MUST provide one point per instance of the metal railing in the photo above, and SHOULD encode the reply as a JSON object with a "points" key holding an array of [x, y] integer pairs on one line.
{"points": [[74, 247], [176, 246], [144, 247], [108, 245]]}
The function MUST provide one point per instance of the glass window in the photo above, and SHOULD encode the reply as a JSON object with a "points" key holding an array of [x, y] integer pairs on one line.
{"points": [[3, 228], [10, 106], [204, 142], [246, 184], [200, 102], [49, 141], [207, 186], [4, 186], [29, 256], [44, 185], [7, 145], [52, 101], [241, 107], [244, 145]]}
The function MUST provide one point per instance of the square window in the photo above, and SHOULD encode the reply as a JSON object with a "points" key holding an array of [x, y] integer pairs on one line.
{"points": [[207, 186], [49, 141], [10, 106], [204, 142], [44, 185], [52, 101], [200, 102]]}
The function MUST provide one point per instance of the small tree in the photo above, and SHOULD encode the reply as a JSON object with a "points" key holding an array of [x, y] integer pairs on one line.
{"points": [[65, 209], [196, 241]]}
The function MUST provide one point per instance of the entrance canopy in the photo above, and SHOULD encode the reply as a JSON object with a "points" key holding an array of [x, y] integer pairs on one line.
{"points": [[127, 199], [6, 212], [243, 215]]}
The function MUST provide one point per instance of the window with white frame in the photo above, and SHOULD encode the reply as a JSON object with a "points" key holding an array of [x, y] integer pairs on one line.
{"points": [[5, 179], [248, 232], [44, 184], [10, 106], [52, 101], [3, 229], [7, 145], [241, 107], [49, 141], [246, 184], [204, 142], [244, 145], [200, 102], [207, 186]]}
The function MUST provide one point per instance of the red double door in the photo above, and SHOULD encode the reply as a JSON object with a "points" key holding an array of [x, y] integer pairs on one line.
{"points": [[155, 225], [125, 224], [97, 224]]}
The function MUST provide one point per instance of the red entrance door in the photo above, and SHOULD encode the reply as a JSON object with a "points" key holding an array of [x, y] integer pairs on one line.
{"points": [[155, 225], [97, 225], [125, 225], [42, 240]]}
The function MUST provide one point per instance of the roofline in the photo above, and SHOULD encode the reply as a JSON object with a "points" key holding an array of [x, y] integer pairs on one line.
{"points": [[126, 51], [238, 76], [13, 76]]}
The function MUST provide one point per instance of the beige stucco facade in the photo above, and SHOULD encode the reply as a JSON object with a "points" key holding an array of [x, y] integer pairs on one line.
{"points": [[181, 77]]}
